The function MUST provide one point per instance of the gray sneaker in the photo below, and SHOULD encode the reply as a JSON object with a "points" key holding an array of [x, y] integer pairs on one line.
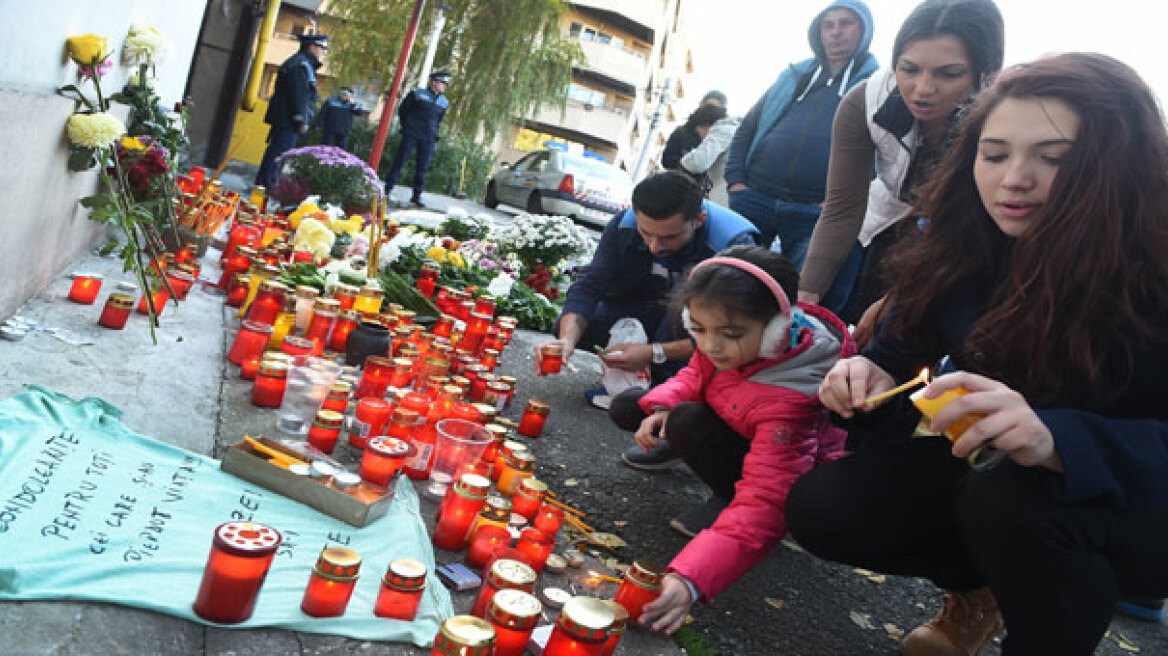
{"points": [[662, 457]]}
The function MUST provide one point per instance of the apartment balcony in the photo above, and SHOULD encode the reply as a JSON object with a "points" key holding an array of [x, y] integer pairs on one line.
{"points": [[616, 63], [608, 124]]}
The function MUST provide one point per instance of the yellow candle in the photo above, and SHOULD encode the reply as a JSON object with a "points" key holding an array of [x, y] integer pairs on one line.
{"points": [[256, 276], [930, 408], [283, 324]]}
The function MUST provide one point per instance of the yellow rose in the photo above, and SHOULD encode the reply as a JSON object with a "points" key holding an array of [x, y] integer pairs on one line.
{"points": [[93, 130], [132, 144], [437, 253], [456, 260], [87, 48]]}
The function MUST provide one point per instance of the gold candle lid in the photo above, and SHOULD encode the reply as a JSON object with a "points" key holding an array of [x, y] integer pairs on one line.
{"points": [[338, 564], [646, 574], [472, 486], [299, 342], [508, 574], [328, 419], [371, 292], [270, 369], [585, 618], [406, 574], [514, 609], [532, 487], [120, 301], [620, 615], [340, 390], [523, 460], [498, 432], [465, 635]]}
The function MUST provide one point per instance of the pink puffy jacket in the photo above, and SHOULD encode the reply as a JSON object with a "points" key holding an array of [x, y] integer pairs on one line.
{"points": [[775, 405]]}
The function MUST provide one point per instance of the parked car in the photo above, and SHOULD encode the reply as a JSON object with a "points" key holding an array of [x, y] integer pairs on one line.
{"points": [[553, 181]]}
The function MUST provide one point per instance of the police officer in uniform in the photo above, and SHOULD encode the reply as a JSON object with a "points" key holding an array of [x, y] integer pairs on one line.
{"points": [[335, 119], [420, 112], [292, 104]]}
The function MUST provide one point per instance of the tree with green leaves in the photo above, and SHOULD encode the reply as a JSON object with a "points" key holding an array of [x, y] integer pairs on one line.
{"points": [[508, 57]]}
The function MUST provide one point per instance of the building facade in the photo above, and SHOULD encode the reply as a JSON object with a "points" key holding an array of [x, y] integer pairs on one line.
{"points": [[638, 64]]}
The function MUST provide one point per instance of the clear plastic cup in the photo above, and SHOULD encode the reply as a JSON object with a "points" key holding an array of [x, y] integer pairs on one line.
{"points": [[459, 441], [309, 381]]}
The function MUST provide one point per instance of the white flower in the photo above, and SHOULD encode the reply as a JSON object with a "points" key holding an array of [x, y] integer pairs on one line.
{"points": [[93, 130], [501, 286], [145, 44]]}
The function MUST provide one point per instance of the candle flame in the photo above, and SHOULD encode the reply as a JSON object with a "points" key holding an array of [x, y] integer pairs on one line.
{"points": [[924, 375]]}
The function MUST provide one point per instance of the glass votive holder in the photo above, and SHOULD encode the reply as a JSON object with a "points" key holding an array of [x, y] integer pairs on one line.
{"points": [[484, 543], [241, 554], [548, 519], [338, 397], [375, 379], [529, 497], [534, 418], [551, 359], [537, 545], [401, 590], [158, 299], [331, 583], [85, 288], [369, 420], [116, 311], [270, 383], [641, 585]]}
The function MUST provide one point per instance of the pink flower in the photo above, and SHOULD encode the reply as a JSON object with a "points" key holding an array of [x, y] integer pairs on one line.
{"points": [[102, 69]]}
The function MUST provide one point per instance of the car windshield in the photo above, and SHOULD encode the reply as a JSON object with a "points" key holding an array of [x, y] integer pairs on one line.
{"points": [[589, 167]]}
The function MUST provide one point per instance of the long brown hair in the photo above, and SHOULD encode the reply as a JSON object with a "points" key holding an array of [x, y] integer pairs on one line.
{"points": [[1086, 284]]}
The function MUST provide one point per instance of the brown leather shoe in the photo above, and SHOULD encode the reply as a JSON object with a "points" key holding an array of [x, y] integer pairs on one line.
{"points": [[966, 626]]}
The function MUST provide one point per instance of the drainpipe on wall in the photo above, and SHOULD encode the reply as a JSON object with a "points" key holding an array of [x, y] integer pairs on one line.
{"points": [[256, 74]]}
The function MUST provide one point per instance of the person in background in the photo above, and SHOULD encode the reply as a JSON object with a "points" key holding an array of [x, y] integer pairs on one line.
{"points": [[421, 113], [777, 167], [707, 162], [683, 139], [335, 118], [292, 103], [1041, 274], [900, 119], [744, 414]]}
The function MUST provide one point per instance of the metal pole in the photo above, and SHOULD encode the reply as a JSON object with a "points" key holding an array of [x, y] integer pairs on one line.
{"points": [[391, 99], [652, 128], [432, 46]]}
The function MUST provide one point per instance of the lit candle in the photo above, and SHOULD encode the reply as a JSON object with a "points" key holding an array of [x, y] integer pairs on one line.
{"points": [[428, 278], [181, 282], [247, 370], [581, 629], [548, 519], [513, 614], [528, 497], [249, 342], [237, 290], [463, 635], [642, 584], [85, 287], [241, 553], [519, 465], [496, 512], [402, 424], [371, 415], [346, 322], [503, 574], [271, 379], [476, 329], [324, 314], [534, 418], [403, 373], [158, 299], [617, 630], [484, 543], [116, 311], [401, 590], [551, 359], [383, 459], [444, 326], [501, 461], [294, 345], [332, 582], [537, 545], [368, 300], [284, 323], [459, 510], [346, 295], [326, 428], [376, 377], [338, 397]]}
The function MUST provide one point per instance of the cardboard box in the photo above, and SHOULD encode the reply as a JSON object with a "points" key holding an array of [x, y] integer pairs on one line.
{"points": [[243, 461]]}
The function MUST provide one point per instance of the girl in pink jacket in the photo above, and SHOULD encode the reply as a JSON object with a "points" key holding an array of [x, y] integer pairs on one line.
{"points": [[743, 414]]}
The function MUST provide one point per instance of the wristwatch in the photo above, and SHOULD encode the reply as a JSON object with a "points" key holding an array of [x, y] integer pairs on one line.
{"points": [[658, 353]]}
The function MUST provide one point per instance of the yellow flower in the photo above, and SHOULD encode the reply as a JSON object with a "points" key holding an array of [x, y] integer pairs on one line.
{"points": [[456, 259], [437, 253], [87, 48], [132, 144], [93, 130], [352, 224], [304, 210]]}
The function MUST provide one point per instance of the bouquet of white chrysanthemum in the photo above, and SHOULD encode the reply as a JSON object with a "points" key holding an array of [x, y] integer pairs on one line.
{"points": [[540, 239], [145, 44]]}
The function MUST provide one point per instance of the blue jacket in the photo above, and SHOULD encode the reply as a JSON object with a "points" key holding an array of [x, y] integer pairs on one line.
{"points": [[336, 116], [788, 89], [420, 112], [621, 268], [1113, 449], [294, 98]]}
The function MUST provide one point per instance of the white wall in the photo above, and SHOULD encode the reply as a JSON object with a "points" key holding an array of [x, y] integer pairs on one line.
{"points": [[42, 229]]}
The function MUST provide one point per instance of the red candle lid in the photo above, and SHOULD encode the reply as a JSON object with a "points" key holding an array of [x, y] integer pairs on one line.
{"points": [[246, 539], [406, 574], [390, 447]]}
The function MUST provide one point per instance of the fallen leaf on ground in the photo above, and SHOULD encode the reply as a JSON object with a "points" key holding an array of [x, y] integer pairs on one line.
{"points": [[777, 604], [1127, 645], [862, 620], [620, 522], [791, 545], [863, 572], [571, 482], [609, 540], [877, 578], [893, 631]]}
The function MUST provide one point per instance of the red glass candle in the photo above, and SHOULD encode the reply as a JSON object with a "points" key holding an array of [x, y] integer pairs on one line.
{"points": [[548, 519], [428, 278], [489, 359], [271, 378], [85, 287], [431, 367], [241, 554], [513, 613], [346, 295], [510, 382], [503, 574], [484, 543], [485, 304], [401, 590], [493, 341], [501, 461], [302, 256], [403, 373], [642, 584], [244, 233], [249, 342], [496, 395], [326, 428], [158, 299], [332, 582], [346, 322], [529, 497], [581, 629], [376, 377], [496, 512], [459, 510], [181, 282], [424, 438], [464, 307], [498, 435], [534, 418], [293, 345], [442, 300], [476, 329], [517, 466], [116, 311], [444, 326], [551, 359], [338, 397], [249, 368], [617, 630], [268, 303], [537, 545], [371, 415], [323, 317], [383, 459], [463, 635], [478, 385], [402, 424], [237, 291], [237, 262]]}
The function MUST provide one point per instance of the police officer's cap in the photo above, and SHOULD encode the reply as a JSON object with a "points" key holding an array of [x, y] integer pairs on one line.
{"points": [[441, 76], [313, 40]]}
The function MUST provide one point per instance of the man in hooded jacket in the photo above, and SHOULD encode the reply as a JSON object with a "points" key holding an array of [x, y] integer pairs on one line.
{"points": [[776, 170], [292, 104]]}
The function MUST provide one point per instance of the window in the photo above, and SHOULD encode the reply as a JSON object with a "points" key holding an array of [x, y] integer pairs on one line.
{"points": [[586, 95], [574, 30], [601, 37]]}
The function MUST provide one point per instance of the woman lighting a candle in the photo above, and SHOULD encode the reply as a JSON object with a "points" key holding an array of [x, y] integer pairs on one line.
{"points": [[1041, 275]]}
